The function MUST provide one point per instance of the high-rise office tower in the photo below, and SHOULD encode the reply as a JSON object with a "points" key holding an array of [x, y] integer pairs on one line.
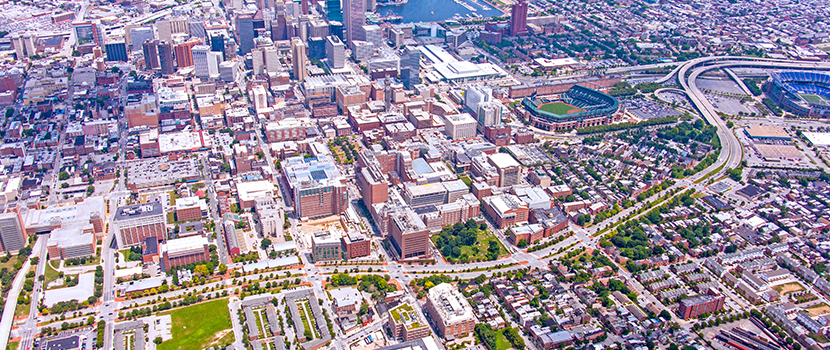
{"points": [[168, 27], [373, 34], [19, 47], [165, 30], [410, 66], [333, 11], [335, 52], [12, 235], [116, 51], [258, 61], [200, 60], [298, 58], [371, 5], [518, 18], [258, 21], [305, 6], [217, 43], [165, 50], [184, 56], [316, 48], [354, 18], [245, 32], [336, 29], [197, 28], [151, 53], [139, 36], [272, 59], [318, 29], [278, 30]]}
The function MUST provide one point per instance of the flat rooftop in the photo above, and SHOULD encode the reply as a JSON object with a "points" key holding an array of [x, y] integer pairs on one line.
{"points": [[503, 160], [320, 169], [138, 211], [818, 138], [778, 151], [69, 216], [189, 202], [157, 170], [766, 132], [185, 141], [187, 244]]}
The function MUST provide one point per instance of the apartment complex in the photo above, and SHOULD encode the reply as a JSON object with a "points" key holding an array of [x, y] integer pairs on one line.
{"points": [[406, 323], [450, 311]]}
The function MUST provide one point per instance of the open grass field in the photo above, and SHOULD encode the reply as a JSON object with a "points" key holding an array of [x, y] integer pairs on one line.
{"points": [[501, 341], [818, 309], [788, 288], [199, 326], [560, 108]]}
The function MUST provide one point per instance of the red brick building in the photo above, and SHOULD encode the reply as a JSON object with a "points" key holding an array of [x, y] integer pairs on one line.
{"points": [[183, 251], [701, 304], [356, 245], [190, 208]]}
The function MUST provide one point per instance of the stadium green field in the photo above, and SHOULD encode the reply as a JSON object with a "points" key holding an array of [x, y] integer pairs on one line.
{"points": [[815, 99], [560, 108]]}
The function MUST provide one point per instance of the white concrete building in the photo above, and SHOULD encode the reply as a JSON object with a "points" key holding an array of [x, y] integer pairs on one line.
{"points": [[460, 126]]}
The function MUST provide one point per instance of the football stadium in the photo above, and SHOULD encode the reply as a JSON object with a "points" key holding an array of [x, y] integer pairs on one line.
{"points": [[576, 108], [801, 93]]}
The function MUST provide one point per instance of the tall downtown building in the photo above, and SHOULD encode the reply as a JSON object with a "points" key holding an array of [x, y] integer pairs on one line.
{"points": [[410, 66], [354, 18], [245, 31], [12, 235], [518, 18], [298, 58], [165, 51], [333, 11], [151, 53]]}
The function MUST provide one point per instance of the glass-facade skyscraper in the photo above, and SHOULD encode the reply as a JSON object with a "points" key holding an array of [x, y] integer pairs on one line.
{"points": [[333, 10]]}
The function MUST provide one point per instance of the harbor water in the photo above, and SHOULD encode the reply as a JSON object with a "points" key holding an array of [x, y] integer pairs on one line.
{"points": [[439, 10]]}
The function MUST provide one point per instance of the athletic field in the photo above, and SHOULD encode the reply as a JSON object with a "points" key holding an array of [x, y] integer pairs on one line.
{"points": [[560, 108], [814, 99]]}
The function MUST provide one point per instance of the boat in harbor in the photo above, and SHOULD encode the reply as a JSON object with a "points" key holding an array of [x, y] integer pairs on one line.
{"points": [[391, 2]]}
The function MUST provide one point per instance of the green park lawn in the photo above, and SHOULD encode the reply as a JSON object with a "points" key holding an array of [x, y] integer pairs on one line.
{"points": [[50, 274], [560, 108], [199, 326], [501, 341], [479, 250]]}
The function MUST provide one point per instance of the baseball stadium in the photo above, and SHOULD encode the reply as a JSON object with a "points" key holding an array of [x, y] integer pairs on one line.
{"points": [[801, 93], [578, 107]]}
